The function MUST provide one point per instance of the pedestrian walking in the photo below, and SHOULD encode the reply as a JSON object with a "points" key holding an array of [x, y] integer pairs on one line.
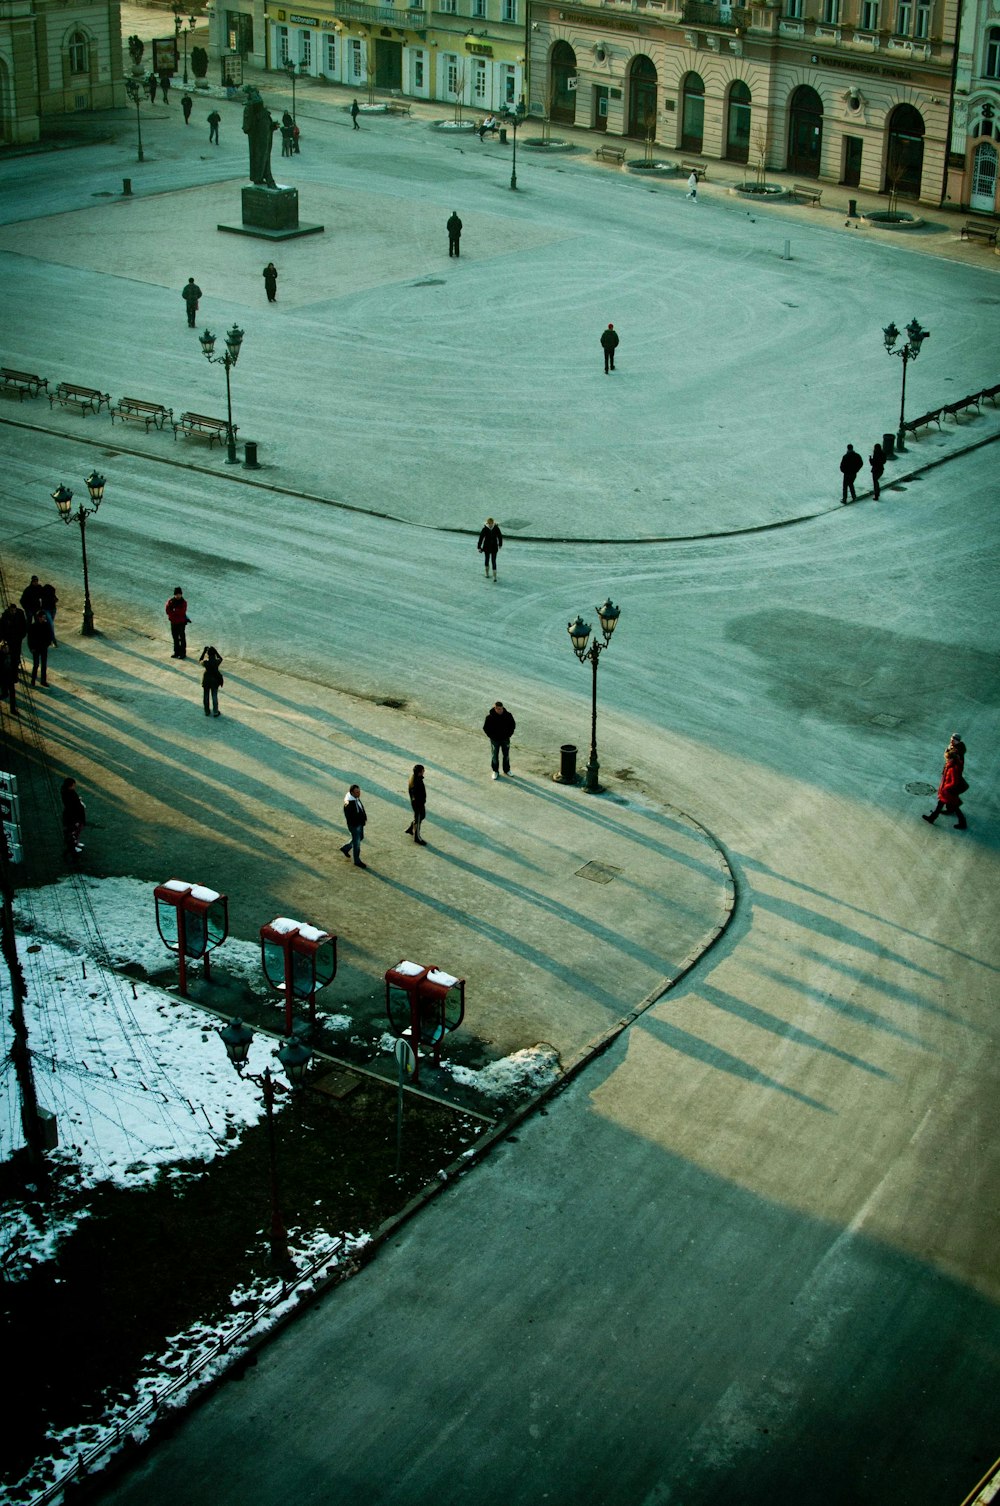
{"points": [[418, 803], [287, 134], [850, 465], [151, 86], [13, 629], [953, 784], [74, 818], [355, 112], [39, 639], [176, 610], [191, 293], [49, 603], [877, 462], [609, 344], [186, 104], [165, 87], [490, 544], [499, 728], [10, 668], [212, 678], [31, 598], [454, 233], [692, 192], [296, 138], [214, 121], [356, 818], [271, 282]]}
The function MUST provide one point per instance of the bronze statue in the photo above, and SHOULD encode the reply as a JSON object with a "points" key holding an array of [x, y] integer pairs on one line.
{"points": [[258, 127]]}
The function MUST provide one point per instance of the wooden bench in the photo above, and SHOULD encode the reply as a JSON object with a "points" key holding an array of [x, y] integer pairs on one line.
{"points": [[807, 191], [992, 393], [698, 168], [87, 399], [963, 404], [984, 230], [397, 107], [610, 154], [143, 412], [24, 383], [913, 424], [198, 423]]}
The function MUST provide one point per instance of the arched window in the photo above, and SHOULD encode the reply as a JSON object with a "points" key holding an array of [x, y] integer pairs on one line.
{"points": [[642, 98], [805, 132], [991, 63], [904, 159], [738, 127], [984, 122], [563, 83], [693, 114], [79, 53]]}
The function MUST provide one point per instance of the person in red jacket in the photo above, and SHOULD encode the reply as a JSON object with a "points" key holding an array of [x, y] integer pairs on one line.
{"points": [[953, 784], [177, 614]]}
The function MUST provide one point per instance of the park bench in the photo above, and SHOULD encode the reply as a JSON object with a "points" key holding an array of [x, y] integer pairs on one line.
{"points": [[198, 423], [807, 191], [610, 154], [985, 230], [397, 107], [142, 412], [698, 168], [992, 393], [964, 403], [24, 383], [87, 399], [913, 424]]}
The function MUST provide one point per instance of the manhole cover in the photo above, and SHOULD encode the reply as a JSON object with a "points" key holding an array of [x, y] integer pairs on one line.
{"points": [[886, 719], [919, 787], [336, 1084], [598, 873]]}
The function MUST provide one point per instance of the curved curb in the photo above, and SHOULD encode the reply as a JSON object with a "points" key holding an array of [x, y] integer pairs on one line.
{"points": [[470, 533]]}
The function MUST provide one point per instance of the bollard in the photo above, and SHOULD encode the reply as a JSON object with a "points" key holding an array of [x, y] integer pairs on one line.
{"points": [[126, 187], [250, 454], [852, 209], [888, 445], [787, 253], [567, 764], [503, 135]]}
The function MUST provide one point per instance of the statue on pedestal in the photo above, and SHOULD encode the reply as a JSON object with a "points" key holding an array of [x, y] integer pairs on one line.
{"points": [[259, 128]]}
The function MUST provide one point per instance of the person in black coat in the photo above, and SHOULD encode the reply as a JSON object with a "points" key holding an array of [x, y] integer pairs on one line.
{"points": [[211, 678], [271, 282], [609, 344], [356, 817], [877, 462], [74, 818], [850, 465], [39, 638], [454, 228], [499, 728], [31, 599], [13, 627], [418, 803], [490, 543]]}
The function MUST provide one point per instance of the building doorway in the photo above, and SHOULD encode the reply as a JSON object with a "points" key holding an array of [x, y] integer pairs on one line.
{"points": [[388, 64], [600, 122], [853, 147], [642, 98], [562, 84], [805, 132], [983, 197], [693, 114], [738, 124], [904, 161]]}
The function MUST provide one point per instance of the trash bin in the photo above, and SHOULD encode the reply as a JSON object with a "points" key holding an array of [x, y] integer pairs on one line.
{"points": [[503, 135], [888, 445], [852, 209], [126, 186], [567, 763], [250, 455]]}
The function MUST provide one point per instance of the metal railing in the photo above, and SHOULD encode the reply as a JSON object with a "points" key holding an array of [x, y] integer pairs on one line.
{"points": [[380, 15], [725, 17]]}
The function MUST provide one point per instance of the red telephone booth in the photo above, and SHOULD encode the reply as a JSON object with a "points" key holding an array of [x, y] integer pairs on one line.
{"points": [[192, 921], [297, 960], [423, 1004]]}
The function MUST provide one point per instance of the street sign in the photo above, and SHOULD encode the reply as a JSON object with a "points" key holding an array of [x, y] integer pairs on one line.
{"points": [[403, 1053]]}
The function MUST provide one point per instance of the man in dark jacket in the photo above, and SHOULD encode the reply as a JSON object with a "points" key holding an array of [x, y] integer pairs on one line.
{"points": [[39, 639], [609, 343], [31, 599], [454, 233], [177, 615], [499, 728], [850, 465], [191, 293], [490, 541], [356, 817]]}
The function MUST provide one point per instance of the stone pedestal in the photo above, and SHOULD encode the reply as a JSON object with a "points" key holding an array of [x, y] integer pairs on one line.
{"points": [[271, 214]]}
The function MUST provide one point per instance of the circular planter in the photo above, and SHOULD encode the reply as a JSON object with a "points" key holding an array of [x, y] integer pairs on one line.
{"points": [[656, 166], [898, 220], [453, 127], [757, 190], [554, 144], [368, 109]]}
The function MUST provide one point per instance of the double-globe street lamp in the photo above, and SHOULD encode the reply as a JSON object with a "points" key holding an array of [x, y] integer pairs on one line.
{"points": [[180, 30], [136, 91], [579, 632], [63, 498], [909, 351], [294, 1057], [294, 71], [513, 118], [234, 340]]}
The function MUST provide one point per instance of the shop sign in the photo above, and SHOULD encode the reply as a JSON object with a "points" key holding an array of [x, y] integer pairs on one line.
{"points": [[303, 20]]}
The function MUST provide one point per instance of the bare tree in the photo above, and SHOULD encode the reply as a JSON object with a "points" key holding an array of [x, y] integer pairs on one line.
{"points": [[370, 67], [548, 100], [760, 147], [895, 171], [459, 91], [649, 121]]}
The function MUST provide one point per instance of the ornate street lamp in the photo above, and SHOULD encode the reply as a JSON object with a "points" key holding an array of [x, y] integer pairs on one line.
{"points": [[63, 498], [579, 633], [234, 340], [135, 92], [184, 31], [294, 1057], [295, 70], [513, 118], [915, 337]]}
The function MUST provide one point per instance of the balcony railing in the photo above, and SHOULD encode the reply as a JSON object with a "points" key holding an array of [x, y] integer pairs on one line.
{"points": [[380, 15], [724, 17]]}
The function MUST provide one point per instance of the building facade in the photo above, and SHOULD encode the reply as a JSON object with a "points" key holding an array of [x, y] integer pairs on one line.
{"points": [[847, 91], [457, 51], [57, 59], [973, 181]]}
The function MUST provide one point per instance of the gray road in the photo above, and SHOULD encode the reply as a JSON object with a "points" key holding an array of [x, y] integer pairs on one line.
{"points": [[752, 1252]]}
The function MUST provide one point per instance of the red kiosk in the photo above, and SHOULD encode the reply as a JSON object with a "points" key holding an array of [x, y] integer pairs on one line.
{"points": [[297, 960], [423, 1005], [192, 921]]}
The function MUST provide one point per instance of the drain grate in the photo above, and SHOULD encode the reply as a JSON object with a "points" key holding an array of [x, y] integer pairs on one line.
{"points": [[598, 873], [886, 719], [919, 787]]}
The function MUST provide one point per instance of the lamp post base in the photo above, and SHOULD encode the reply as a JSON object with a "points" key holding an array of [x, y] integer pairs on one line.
{"points": [[591, 779], [88, 630]]}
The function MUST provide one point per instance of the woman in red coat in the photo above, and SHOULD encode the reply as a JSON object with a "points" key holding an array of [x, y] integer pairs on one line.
{"points": [[953, 784]]}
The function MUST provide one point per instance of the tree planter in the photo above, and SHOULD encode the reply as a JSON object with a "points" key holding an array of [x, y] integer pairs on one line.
{"points": [[554, 144], [656, 166], [757, 190], [896, 219]]}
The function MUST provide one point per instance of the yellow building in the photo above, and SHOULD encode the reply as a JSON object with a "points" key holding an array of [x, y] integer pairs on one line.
{"points": [[57, 59]]}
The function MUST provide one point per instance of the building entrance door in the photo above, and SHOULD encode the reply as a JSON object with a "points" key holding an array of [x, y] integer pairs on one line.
{"points": [[600, 122], [984, 179], [853, 147], [388, 64], [642, 99], [805, 132]]}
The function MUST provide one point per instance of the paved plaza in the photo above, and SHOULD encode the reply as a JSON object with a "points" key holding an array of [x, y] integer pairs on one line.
{"points": [[749, 1253]]}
